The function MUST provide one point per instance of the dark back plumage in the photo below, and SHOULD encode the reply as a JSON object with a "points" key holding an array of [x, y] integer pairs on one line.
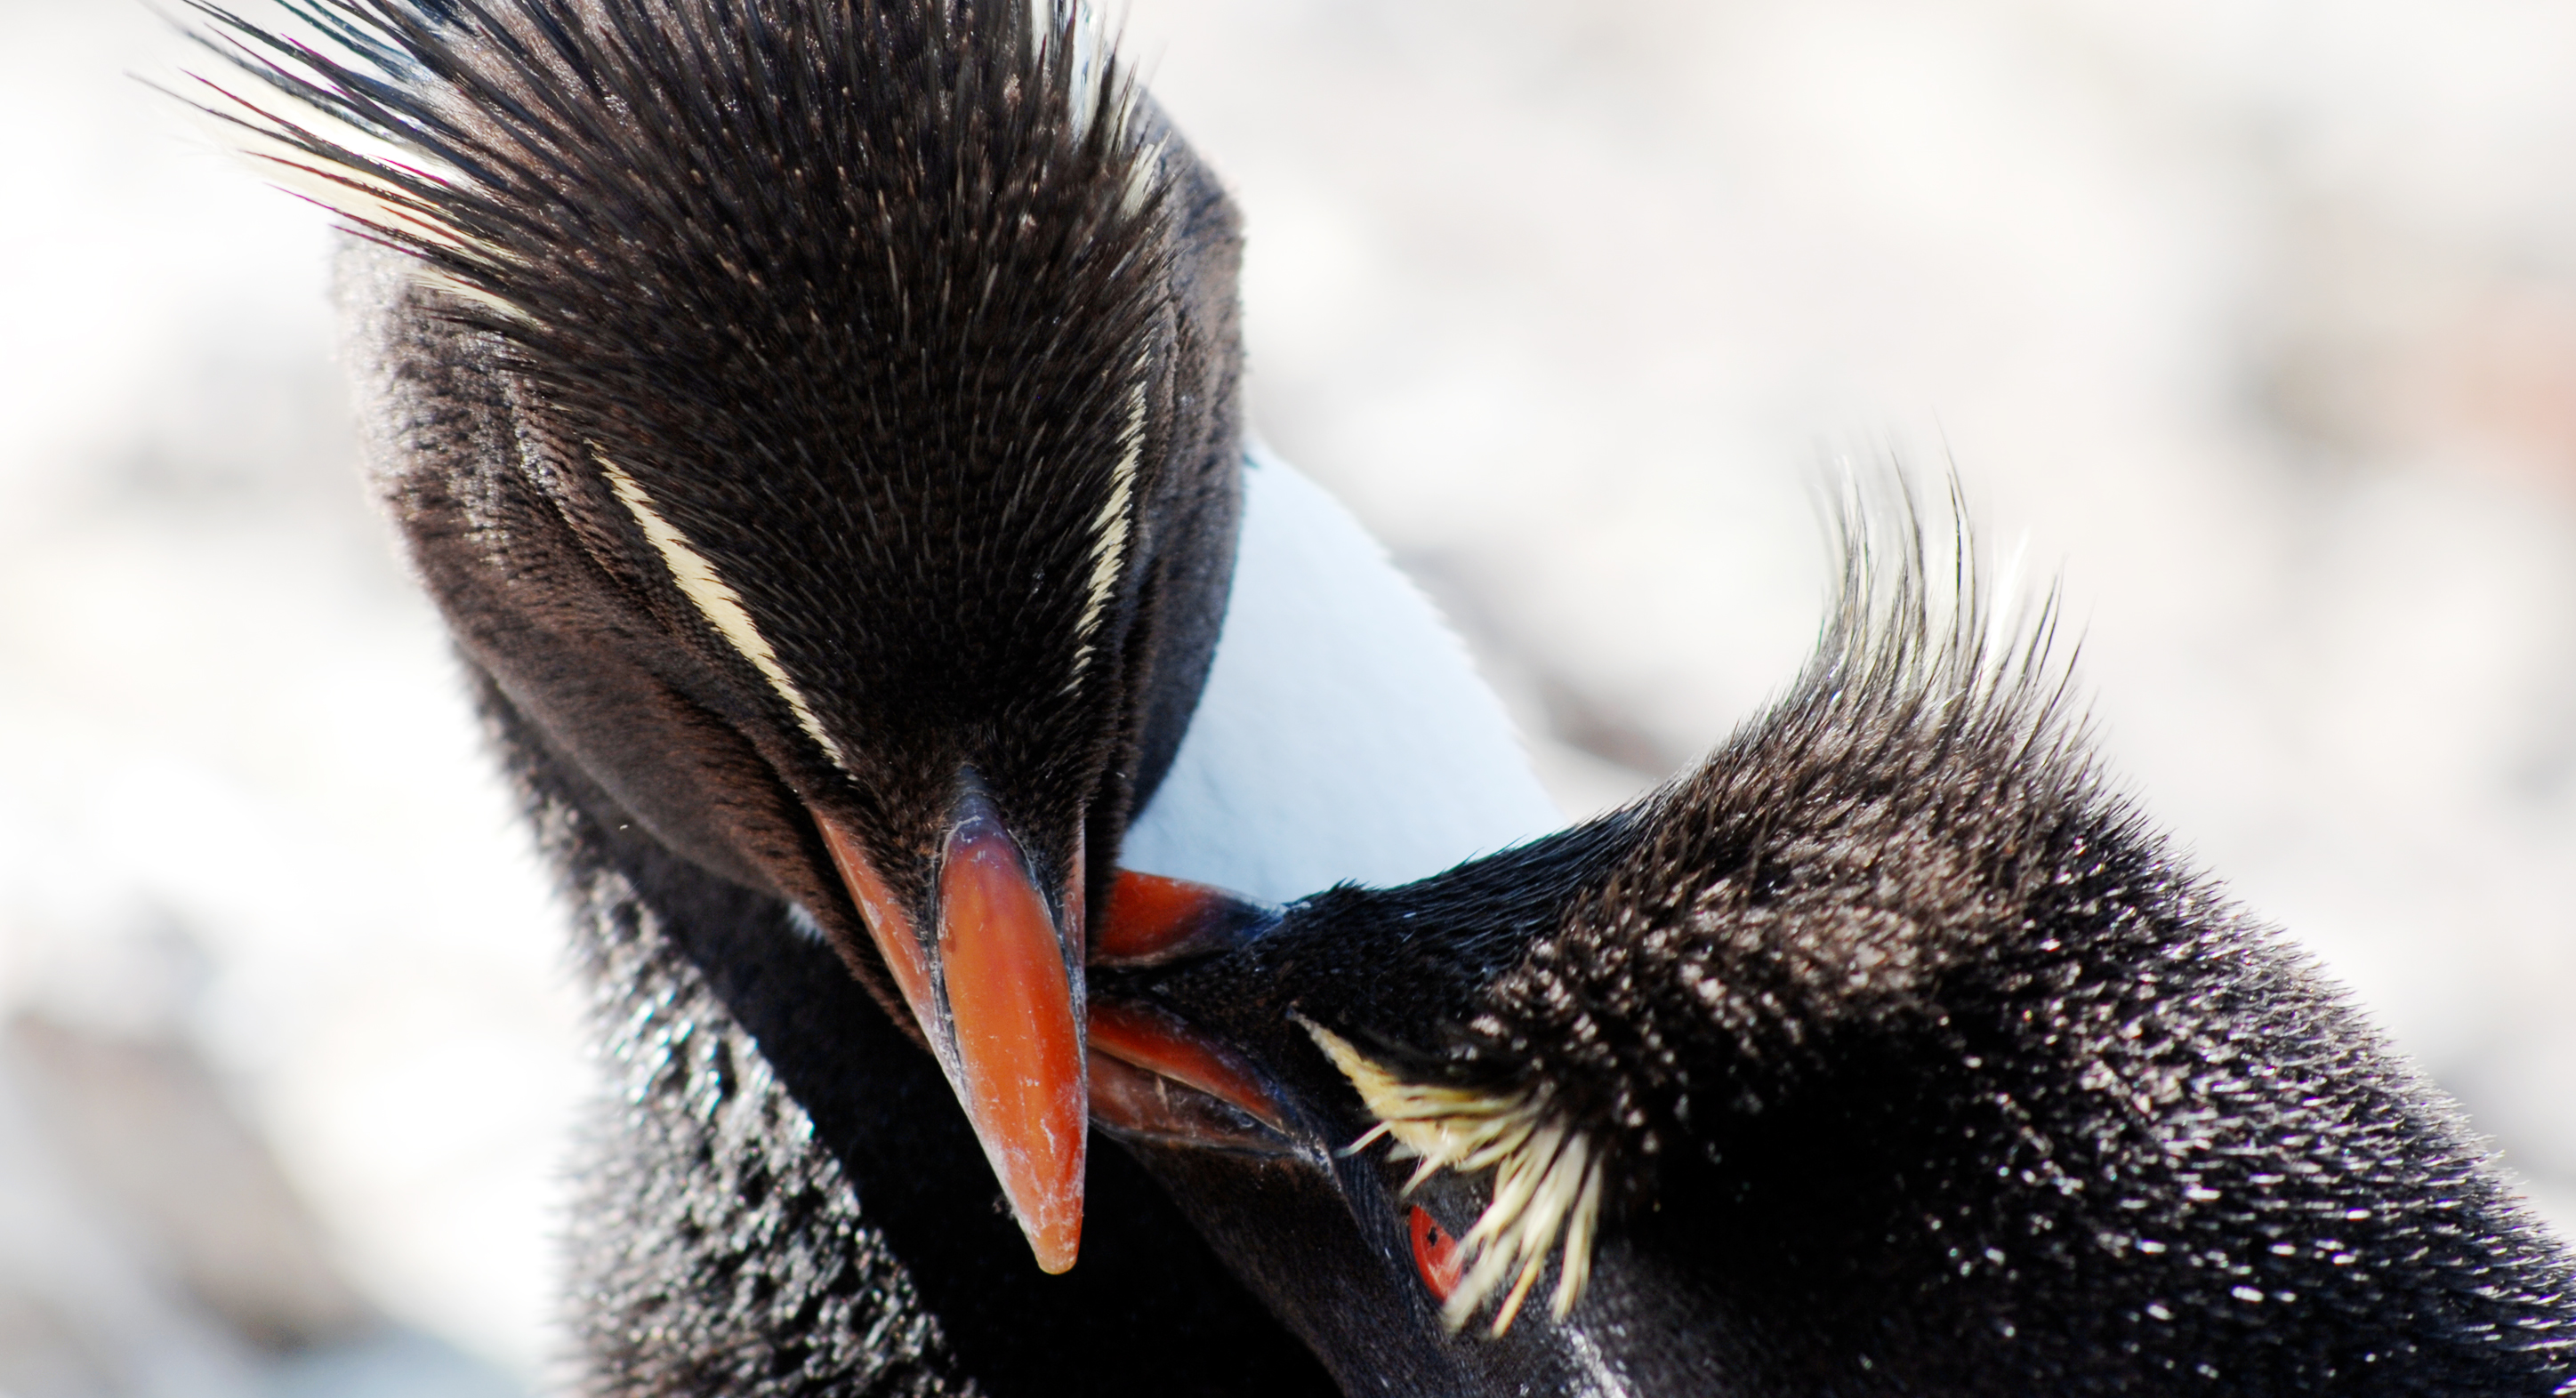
{"points": [[1887, 1052]]}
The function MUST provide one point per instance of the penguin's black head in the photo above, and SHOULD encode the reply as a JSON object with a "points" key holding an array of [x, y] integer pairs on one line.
{"points": [[1884, 1053], [819, 417]]}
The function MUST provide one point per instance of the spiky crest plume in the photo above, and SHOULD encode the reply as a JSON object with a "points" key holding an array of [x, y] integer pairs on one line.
{"points": [[806, 192], [1915, 686], [540, 155]]}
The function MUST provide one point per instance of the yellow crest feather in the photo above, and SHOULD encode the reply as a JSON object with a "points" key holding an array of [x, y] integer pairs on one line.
{"points": [[1547, 1177]]}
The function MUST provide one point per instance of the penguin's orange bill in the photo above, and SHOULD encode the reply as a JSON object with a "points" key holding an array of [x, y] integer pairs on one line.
{"points": [[1154, 920], [1160, 1044], [1015, 1006], [1001, 1007], [1153, 1078]]}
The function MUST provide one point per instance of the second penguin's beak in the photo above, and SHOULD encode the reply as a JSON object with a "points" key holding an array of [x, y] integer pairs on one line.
{"points": [[997, 986]]}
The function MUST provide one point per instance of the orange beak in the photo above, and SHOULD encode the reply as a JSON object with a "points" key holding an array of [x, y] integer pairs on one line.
{"points": [[998, 991]]}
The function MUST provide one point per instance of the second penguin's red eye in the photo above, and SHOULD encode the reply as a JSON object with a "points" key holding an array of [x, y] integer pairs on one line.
{"points": [[1435, 1254]]}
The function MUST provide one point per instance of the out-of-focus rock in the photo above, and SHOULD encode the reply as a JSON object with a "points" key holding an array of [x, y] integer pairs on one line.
{"points": [[147, 1132], [150, 1246]]}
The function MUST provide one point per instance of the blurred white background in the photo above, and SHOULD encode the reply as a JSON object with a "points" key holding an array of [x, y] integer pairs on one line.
{"points": [[2254, 318]]}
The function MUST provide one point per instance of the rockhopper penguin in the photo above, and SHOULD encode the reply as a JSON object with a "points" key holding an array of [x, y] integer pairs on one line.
{"points": [[819, 423], [1890, 1052]]}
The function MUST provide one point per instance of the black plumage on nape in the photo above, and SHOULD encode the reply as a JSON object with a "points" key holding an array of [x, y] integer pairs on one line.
{"points": [[1890, 1051], [818, 421]]}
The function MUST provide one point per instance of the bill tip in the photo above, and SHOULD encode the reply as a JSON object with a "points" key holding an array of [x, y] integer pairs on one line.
{"points": [[1056, 1244]]}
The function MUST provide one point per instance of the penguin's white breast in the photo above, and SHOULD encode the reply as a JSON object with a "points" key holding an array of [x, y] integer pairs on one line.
{"points": [[1343, 734]]}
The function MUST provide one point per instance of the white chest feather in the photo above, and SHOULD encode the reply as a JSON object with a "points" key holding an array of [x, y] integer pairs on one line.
{"points": [[1343, 735]]}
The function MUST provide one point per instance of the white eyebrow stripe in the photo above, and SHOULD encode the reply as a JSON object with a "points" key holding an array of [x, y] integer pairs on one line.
{"points": [[716, 601], [1110, 528]]}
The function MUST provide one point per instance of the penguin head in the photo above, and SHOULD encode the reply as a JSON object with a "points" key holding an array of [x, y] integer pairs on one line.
{"points": [[1530, 1086], [820, 419], [1885, 1052]]}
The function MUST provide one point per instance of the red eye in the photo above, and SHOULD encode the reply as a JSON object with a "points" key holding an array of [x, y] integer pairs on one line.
{"points": [[1435, 1255]]}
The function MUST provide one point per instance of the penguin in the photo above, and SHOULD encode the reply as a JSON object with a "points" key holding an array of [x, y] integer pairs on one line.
{"points": [[1893, 1050], [819, 424]]}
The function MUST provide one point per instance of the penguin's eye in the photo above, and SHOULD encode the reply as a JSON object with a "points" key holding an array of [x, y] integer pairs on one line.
{"points": [[1435, 1254]]}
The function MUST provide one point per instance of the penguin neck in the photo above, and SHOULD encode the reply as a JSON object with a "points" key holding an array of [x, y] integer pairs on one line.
{"points": [[1343, 734]]}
